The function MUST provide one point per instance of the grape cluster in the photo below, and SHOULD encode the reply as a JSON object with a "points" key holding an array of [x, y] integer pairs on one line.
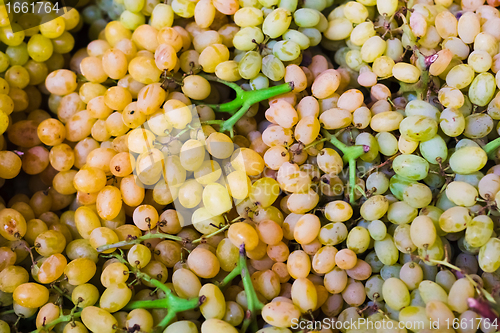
{"points": [[218, 166]]}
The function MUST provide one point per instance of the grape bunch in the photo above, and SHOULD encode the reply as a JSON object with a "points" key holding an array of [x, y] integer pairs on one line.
{"points": [[251, 166]]}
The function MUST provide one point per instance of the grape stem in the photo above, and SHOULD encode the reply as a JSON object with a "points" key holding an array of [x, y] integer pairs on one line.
{"points": [[491, 147], [143, 238], [254, 305], [61, 319], [7, 312], [61, 292], [244, 100], [351, 153], [170, 302], [137, 240], [482, 306], [420, 87]]}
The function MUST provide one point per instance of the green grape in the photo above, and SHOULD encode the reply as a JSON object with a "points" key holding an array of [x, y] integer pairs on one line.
{"points": [[248, 38], [91, 14], [374, 262], [460, 76], [313, 34], [461, 193], [40, 48], [373, 288], [273, 68], [250, 65], [488, 258], [4, 62], [434, 149], [4, 122], [353, 60], [132, 20], [414, 316], [370, 141], [396, 294], [286, 50], [402, 239], [418, 128], [259, 82], [431, 291], [291, 5], [387, 143], [479, 231], [461, 290], [377, 183], [445, 279], [18, 55], [216, 199], [134, 6], [377, 229], [434, 252], [17, 77], [12, 35], [386, 251], [398, 184], [411, 167], [181, 326], [64, 43], [306, 17], [298, 37], [455, 219], [358, 240], [417, 195], [482, 89], [401, 213], [332, 234], [421, 108], [374, 208], [423, 232], [277, 22]]}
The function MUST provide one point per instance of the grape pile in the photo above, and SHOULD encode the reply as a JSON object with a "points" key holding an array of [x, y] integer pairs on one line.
{"points": [[270, 166]]}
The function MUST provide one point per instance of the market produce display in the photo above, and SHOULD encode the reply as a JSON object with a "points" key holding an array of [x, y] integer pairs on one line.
{"points": [[270, 166]]}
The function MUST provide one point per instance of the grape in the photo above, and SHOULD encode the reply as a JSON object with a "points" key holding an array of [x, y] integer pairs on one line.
{"points": [[487, 260], [97, 319], [31, 295]]}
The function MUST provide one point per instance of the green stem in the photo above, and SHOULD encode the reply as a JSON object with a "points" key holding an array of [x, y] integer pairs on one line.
{"points": [[351, 153], [213, 122], [480, 290], [7, 312], [141, 239], [315, 143], [171, 302], [420, 87], [165, 321], [244, 100], [230, 277], [137, 240], [54, 322], [61, 292], [254, 305], [491, 147], [204, 237]]}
